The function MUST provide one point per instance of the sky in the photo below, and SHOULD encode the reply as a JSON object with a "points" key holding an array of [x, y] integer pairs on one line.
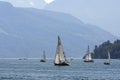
{"points": [[103, 13], [29, 3]]}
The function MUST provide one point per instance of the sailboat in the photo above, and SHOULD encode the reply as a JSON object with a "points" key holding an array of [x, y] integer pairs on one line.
{"points": [[71, 58], [60, 58], [43, 58], [107, 62], [88, 57]]}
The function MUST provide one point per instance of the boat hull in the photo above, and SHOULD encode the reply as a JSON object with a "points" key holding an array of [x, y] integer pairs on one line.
{"points": [[42, 60], [106, 63], [62, 64], [88, 61]]}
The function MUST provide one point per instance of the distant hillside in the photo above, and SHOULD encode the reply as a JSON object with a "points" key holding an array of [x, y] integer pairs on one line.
{"points": [[27, 32], [100, 52], [104, 13]]}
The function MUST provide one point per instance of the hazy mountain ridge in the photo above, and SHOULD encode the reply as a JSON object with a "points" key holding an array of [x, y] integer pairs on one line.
{"points": [[28, 31], [103, 13]]}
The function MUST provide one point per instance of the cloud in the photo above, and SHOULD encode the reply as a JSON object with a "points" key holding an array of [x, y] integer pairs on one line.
{"points": [[40, 4], [48, 1], [32, 4]]}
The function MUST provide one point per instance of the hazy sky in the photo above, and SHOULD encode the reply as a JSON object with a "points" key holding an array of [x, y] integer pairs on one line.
{"points": [[104, 13], [28, 3]]}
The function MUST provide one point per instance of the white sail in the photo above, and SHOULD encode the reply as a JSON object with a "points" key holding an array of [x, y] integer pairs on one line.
{"points": [[60, 56], [61, 53], [107, 62], [108, 55], [57, 61], [88, 56]]}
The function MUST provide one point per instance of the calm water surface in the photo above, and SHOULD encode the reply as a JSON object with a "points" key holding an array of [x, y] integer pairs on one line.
{"points": [[32, 69]]}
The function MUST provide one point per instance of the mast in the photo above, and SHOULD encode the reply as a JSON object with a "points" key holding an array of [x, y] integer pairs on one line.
{"points": [[88, 51]]}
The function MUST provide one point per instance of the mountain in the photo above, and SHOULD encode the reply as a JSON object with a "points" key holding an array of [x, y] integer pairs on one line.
{"points": [[26, 32], [104, 13]]}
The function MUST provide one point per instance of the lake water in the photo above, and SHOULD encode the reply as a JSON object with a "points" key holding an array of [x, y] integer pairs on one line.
{"points": [[32, 69]]}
